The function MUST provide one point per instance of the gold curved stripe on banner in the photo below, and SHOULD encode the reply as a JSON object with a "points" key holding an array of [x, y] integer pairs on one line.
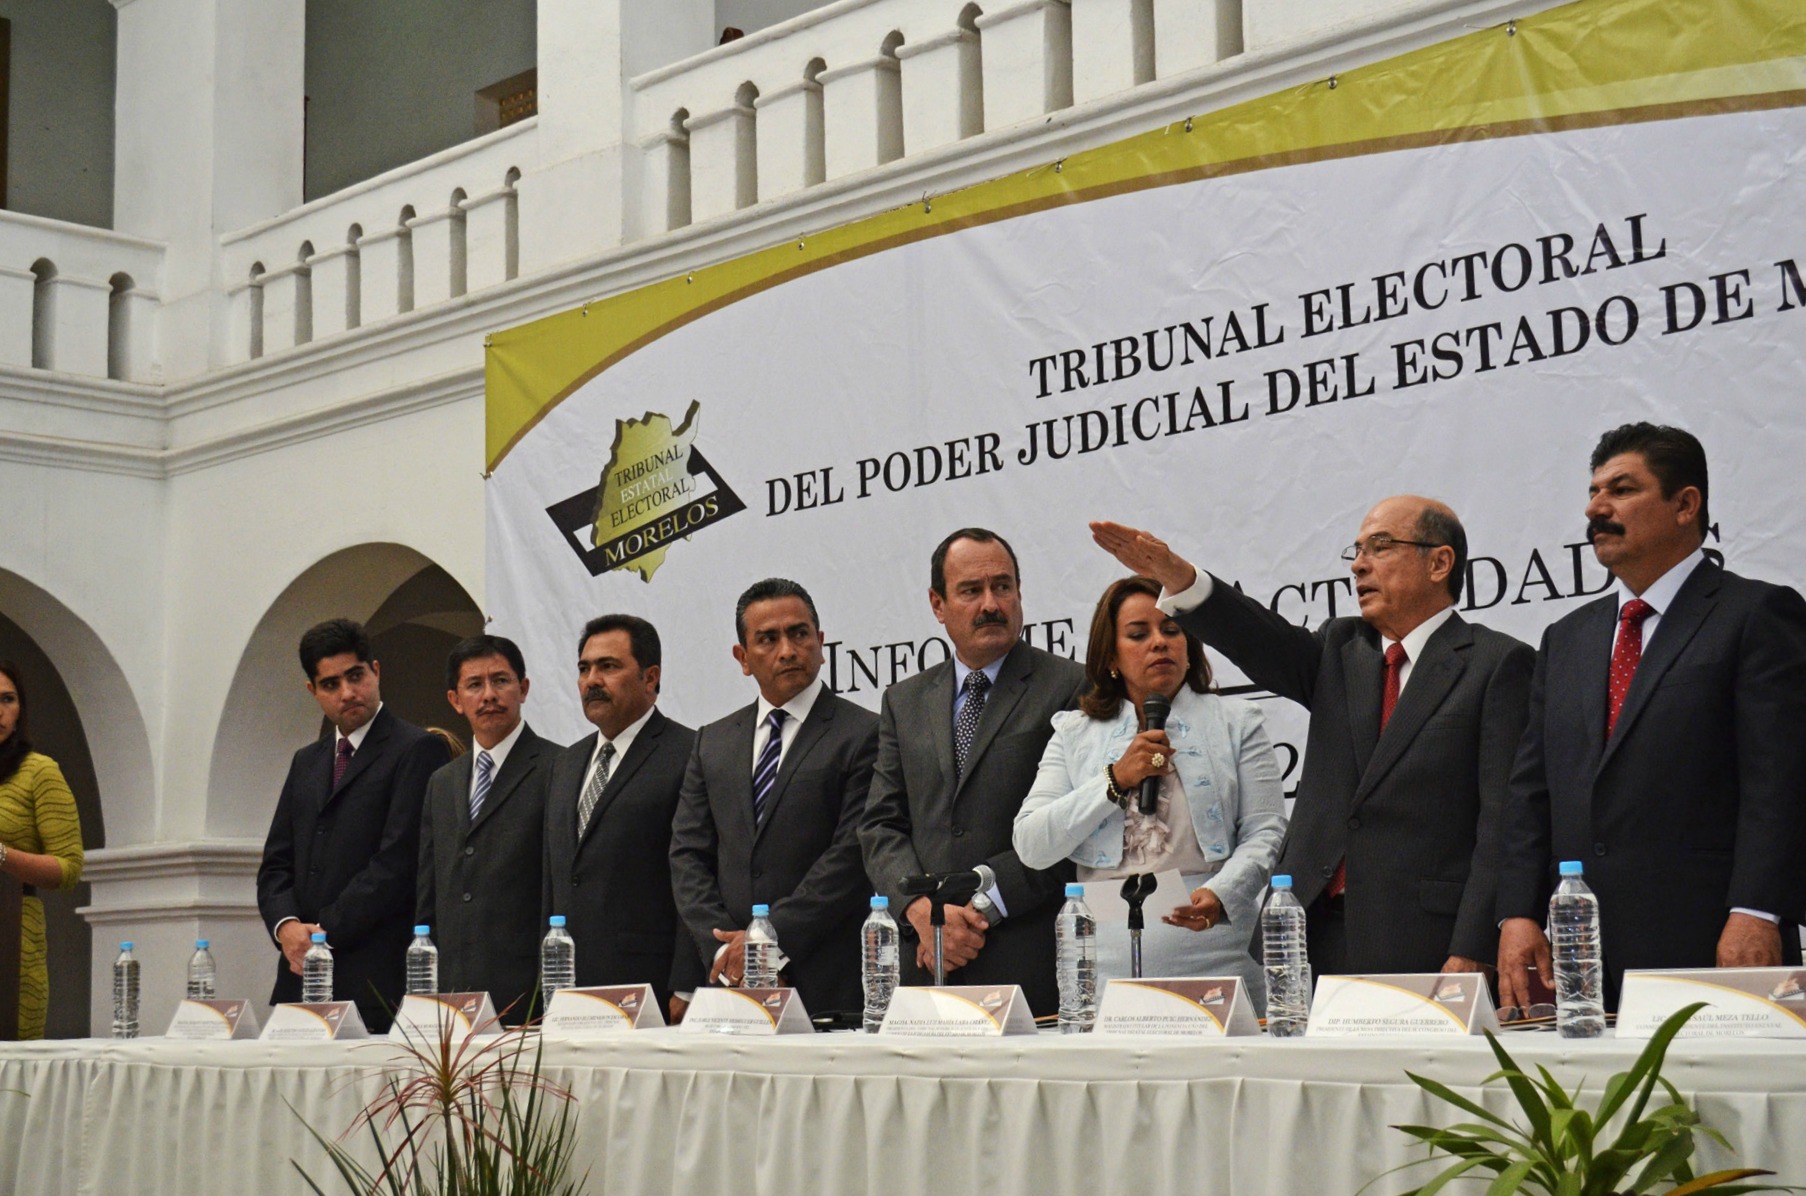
{"points": [[1588, 64]]}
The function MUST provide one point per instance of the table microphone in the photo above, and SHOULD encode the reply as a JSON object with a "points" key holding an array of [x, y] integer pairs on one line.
{"points": [[1154, 709]]}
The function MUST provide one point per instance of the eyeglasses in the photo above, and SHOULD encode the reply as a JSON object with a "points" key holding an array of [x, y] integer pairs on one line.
{"points": [[1380, 545]]}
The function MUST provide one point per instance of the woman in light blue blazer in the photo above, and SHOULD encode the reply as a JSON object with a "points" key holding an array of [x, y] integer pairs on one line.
{"points": [[1221, 814]]}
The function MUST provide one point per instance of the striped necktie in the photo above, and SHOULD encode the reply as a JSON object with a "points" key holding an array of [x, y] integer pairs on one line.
{"points": [[592, 793], [485, 775], [765, 772]]}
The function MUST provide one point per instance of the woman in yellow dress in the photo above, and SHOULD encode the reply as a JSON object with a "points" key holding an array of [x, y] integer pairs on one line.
{"points": [[40, 841]]}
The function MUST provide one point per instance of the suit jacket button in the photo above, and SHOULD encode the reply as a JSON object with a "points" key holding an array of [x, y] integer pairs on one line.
{"points": [[1328, 871], [758, 872], [1354, 824], [1598, 849], [467, 896], [468, 850], [958, 831]]}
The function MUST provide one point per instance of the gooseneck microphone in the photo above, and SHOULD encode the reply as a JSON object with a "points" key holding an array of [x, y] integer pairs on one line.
{"points": [[1154, 709]]}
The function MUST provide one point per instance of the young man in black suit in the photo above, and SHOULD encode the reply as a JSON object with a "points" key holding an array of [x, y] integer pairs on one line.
{"points": [[482, 835], [1664, 749], [608, 819], [345, 842], [771, 807]]}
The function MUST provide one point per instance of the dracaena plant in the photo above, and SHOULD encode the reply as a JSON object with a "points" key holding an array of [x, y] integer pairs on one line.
{"points": [[1633, 1140], [461, 1116]]}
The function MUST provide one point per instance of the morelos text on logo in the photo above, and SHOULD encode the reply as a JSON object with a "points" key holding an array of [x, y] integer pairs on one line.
{"points": [[656, 487]]}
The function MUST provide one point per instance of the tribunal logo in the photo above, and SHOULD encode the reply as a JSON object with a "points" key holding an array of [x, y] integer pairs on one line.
{"points": [[655, 488]]}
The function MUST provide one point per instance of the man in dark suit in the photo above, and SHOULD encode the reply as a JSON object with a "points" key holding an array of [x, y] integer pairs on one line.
{"points": [[1664, 748], [958, 747], [345, 842], [482, 834], [1415, 716], [608, 819], [771, 806]]}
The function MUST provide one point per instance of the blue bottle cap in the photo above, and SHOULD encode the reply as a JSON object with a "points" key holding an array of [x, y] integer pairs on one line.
{"points": [[1074, 889], [1572, 868], [200, 944], [1282, 881], [557, 920], [880, 902], [125, 946], [319, 936], [761, 911], [422, 931]]}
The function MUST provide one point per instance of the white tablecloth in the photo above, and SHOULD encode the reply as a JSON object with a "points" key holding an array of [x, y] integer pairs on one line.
{"points": [[664, 1111]]}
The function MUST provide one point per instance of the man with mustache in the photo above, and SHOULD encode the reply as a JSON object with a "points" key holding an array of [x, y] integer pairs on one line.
{"points": [[1415, 715], [1664, 746], [481, 834], [345, 842], [608, 819], [958, 746]]}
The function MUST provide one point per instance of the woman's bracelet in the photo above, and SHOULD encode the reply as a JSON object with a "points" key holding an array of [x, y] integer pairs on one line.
{"points": [[1116, 793]]}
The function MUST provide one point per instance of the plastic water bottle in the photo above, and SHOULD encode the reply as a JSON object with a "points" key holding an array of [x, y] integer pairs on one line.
{"points": [[761, 950], [557, 960], [316, 971], [880, 962], [423, 962], [1288, 965], [125, 993], [202, 975], [1075, 947], [1579, 967]]}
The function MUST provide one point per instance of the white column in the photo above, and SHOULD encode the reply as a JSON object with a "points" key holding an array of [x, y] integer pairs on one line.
{"points": [[722, 167], [18, 289], [78, 325], [863, 109], [491, 238], [942, 78], [664, 183], [244, 321], [1028, 61], [335, 290], [790, 153], [1113, 45], [287, 318], [139, 351], [438, 242], [1189, 34], [381, 257]]}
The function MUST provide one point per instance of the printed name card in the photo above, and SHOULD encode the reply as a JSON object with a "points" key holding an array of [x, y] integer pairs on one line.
{"points": [[1204, 1006], [437, 1017], [212, 1020], [959, 1011], [1740, 1002], [747, 1011], [323, 1022], [598, 1012], [1424, 1003]]}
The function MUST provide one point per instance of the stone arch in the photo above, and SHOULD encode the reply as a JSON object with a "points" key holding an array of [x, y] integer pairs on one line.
{"points": [[413, 609]]}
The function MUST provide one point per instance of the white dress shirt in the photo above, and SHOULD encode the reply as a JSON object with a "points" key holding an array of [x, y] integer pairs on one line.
{"points": [[622, 742], [797, 708]]}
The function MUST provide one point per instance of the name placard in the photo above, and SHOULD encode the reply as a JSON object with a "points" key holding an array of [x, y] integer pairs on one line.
{"points": [[746, 1011], [437, 1017], [1203, 1006], [212, 1020], [958, 1011], [1740, 1002], [598, 1012], [1411, 1003], [322, 1022]]}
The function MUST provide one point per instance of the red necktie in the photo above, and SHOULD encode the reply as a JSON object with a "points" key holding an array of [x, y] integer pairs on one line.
{"points": [[1395, 663], [1625, 655], [341, 762]]}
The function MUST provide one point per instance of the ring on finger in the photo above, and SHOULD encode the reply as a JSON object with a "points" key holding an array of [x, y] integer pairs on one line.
{"points": [[1158, 760]]}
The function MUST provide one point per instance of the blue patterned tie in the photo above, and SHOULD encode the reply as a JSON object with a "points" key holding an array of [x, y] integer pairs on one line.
{"points": [[485, 774], [969, 714], [765, 772]]}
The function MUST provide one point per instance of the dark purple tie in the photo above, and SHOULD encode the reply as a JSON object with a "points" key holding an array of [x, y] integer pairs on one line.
{"points": [[342, 761]]}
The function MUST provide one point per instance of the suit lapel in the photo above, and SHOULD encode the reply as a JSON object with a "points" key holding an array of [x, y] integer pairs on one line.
{"points": [[740, 740], [361, 758], [1363, 673], [1012, 683], [807, 736], [643, 745], [936, 713], [1588, 677], [1432, 677], [1694, 601], [523, 757]]}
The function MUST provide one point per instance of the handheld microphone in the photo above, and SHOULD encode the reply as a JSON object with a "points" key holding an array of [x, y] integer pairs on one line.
{"points": [[1154, 709]]}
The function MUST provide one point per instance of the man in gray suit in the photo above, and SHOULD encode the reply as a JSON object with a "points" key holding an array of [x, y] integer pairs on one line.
{"points": [[608, 819], [1415, 718], [478, 883], [958, 747], [770, 810]]}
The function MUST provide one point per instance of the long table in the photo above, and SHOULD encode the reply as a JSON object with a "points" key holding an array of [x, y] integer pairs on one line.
{"points": [[666, 1112]]}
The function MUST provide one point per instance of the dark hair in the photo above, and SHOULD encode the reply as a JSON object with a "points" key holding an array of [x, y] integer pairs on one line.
{"points": [[764, 591], [476, 648], [1438, 526], [937, 564], [641, 636], [1674, 455], [1104, 697], [18, 744], [334, 637]]}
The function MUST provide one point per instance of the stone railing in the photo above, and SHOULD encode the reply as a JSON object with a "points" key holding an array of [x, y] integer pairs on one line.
{"points": [[415, 236], [78, 300], [858, 83]]}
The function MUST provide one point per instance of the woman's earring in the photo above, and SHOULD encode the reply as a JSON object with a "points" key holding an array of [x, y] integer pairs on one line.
{"points": [[1114, 675]]}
